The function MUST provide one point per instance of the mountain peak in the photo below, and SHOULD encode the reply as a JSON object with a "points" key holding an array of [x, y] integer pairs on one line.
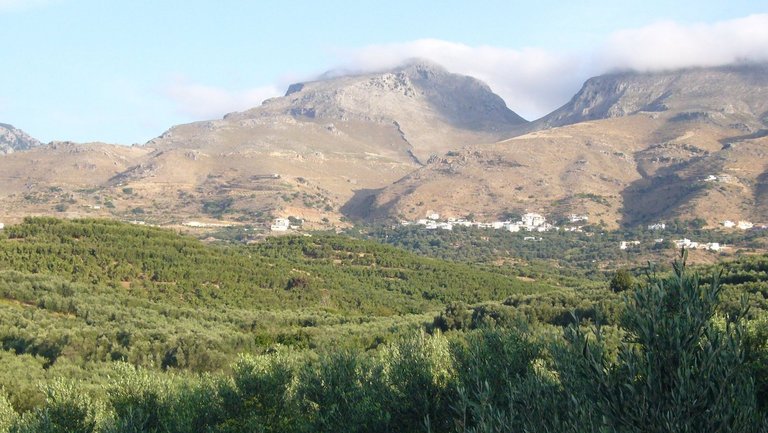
{"points": [[416, 87], [734, 93], [13, 139]]}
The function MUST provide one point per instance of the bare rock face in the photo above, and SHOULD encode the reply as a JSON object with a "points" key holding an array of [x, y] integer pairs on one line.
{"points": [[13, 139], [461, 101], [728, 96], [435, 110]]}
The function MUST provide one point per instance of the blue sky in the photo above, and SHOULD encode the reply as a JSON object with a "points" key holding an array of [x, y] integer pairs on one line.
{"points": [[123, 72]]}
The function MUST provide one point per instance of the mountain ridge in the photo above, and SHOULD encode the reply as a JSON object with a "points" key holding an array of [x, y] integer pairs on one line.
{"points": [[629, 148], [13, 139]]}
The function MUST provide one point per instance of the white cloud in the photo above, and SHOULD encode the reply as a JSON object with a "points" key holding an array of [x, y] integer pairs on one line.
{"points": [[536, 81], [531, 80], [670, 45], [207, 102]]}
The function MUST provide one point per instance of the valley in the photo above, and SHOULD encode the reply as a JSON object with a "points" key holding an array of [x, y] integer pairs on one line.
{"points": [[397, 251]]}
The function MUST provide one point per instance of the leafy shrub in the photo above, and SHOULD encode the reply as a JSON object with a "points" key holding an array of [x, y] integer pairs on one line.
{"points": [[66, 410], [677, 371], [7, 415]]}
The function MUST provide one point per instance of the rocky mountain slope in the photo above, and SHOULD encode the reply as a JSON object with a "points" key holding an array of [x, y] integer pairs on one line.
{"points": [[13, 139], [629, 148], [729, 96], [306, 154]]}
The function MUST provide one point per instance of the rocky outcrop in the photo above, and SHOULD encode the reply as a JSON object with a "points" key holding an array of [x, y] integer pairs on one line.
{"points": [[734, 95], [13, 139], [461, 101]]}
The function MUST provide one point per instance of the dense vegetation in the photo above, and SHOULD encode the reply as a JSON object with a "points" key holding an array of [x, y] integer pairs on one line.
{"points": [[112, 327], [77, 295], [589, 253]]}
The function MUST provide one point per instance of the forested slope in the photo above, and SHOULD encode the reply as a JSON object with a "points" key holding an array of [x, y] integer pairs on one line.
{"points": [[111, 327]]}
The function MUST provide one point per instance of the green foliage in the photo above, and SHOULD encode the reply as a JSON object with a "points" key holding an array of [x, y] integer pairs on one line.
{"points": [[218, 207], [455, 317], [92, 291], [258, 398], [622, 281], [676, 369], [156, 332], [344, 391], [66, 410], [419, 373], [8, 416]]}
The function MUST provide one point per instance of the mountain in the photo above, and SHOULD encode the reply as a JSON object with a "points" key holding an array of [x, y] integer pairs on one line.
{"points": [[12, 139], [307, 154], [629, 148], [325, 142], [731, 96]]}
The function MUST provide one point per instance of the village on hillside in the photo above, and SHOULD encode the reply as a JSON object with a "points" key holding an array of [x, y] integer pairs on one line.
{"points": [[535, 222]]}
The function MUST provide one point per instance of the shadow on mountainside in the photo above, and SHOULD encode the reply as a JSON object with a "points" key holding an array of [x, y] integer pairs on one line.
{"points": [[659, 196], [361, 207], [761, 194]]}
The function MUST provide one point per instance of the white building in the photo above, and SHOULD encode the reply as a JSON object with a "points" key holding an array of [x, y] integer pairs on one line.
{"points": [[626, 244], [714, 246], [2, 226], [729, 224], [280, 225], [532, 220], [545, 227], [745, 225], [575, 218], [434, 216], [657, 226]]}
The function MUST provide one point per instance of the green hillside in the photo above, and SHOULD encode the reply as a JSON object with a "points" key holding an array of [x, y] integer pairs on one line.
{"points": [[93, 291], [112, 327]]}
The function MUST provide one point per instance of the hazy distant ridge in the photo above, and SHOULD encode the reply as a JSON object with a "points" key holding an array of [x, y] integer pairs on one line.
{"points": [[14, 139]]}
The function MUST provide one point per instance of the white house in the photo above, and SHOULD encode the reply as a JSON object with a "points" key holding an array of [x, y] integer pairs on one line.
{"points": [[280, 225], [745, 225], [626, 244], [714, 246], [657, 226], [434, 216], [729, 224], [531, 220], [574, 218], [2, 226], [545, 227]]}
